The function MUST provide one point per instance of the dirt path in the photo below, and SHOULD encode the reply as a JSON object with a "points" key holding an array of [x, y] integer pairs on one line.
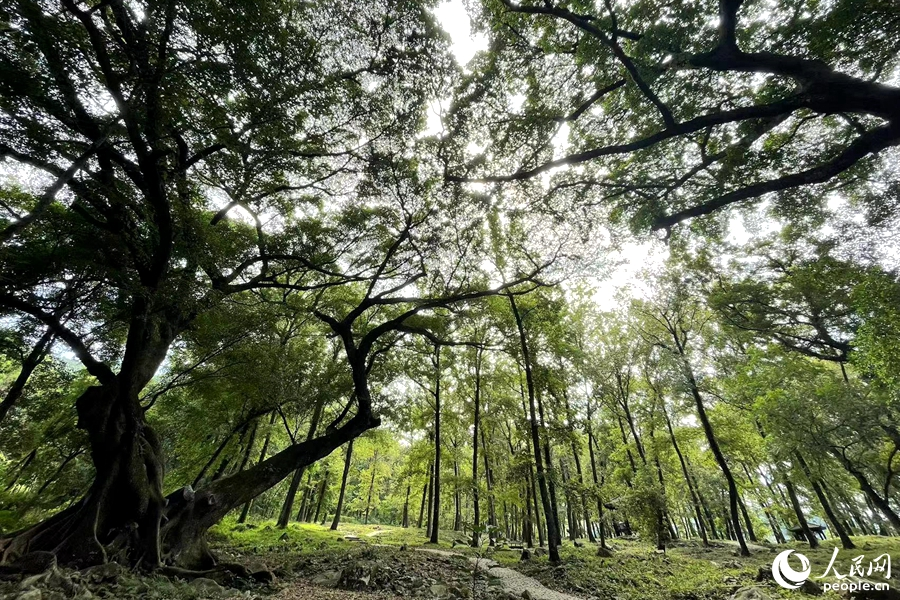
{"points": [[377, 532], [512, 581]]}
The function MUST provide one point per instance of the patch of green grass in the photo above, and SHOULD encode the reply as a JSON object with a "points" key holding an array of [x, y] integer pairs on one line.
{"points": [[687, 571]]}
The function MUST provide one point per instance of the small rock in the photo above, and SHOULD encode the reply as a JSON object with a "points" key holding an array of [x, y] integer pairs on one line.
{"points": [[207, 586], [812, 588], [265, 576], [329, 579], [105, 573], [751, 593], [438, 590], [31, 594], [540, 551], [870, 594], [604, 552], [34, 581], [764, 574]]}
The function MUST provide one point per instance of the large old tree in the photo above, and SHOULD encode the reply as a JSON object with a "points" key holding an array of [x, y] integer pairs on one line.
{"points": [[173, 154]]}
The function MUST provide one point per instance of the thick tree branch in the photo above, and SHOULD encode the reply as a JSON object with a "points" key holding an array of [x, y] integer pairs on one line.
{"points": [[871, 143], [96, 368]]}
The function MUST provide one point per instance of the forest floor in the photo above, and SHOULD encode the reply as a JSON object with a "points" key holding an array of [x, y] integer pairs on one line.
{"points": [[396, 566], [373, 562]]}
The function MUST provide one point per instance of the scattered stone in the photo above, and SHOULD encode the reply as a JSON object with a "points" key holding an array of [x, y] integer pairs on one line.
{"points": [[870, 594], [764, 574], [207, 586], [329, 579], [105, 573], [264, 576], [438, 590], [604, 552], [356, 577], [751, 593], [812, 588], [732, 564], [32, 594], [526, 554], [34, 581], [540, 551]]}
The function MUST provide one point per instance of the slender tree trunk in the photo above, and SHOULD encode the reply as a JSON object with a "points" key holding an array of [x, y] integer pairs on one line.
{"points": [[371, 486], [710, 519], [430, 501], [529, 523], [31, 362], [212, 459], [436, 513], [348, 454], [249, 447], [663, 518], [826, 505], [552, 531], [851, 507], [687, 478], [306, 497], [245, 512], [476, 509], [323, 487], [879, 502], [551, 481], [424, 495], [714, 446], [457, 514], [288, 505], [489, 479], [572, 527], [590, 433], [586, 514], [746, 514], [627, 450], [773, 524], [798, 510], [404, 522]]}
